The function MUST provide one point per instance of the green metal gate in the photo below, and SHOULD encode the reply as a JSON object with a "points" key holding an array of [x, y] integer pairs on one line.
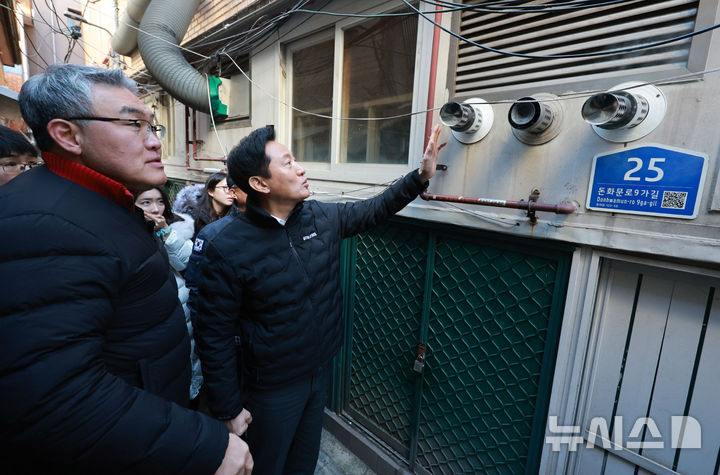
{"points": [[489, 313]]}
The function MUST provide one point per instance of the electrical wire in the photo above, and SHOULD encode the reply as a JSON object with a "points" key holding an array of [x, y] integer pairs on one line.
{"points": [[212, 117], [88, 2], [583, 3], [523, 9], [323, 116], [346, 194], [450, 7], [55, 30], [564, 97], [70, 50], [253, 29], [44, 20], [439, 206], [299, 4], [349, 192], [523, 4], [569, 55], [27, 37], [51, 7], [476, 214], [32, 45], [52, 27], [149, 34], [456, 6], [282, 15], [30, 58]]}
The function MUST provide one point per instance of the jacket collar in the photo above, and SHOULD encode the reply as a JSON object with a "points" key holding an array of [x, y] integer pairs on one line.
{"points": [[257, 214], [90, 179]]}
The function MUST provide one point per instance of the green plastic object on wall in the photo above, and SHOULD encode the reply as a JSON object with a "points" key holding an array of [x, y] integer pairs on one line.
{"points": [[219, 110]]}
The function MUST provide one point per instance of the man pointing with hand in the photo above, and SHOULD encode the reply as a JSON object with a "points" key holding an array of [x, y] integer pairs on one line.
{"points": [[267, 301]]}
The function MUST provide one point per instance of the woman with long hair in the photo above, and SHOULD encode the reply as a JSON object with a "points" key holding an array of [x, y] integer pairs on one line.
{"points": [[215, 201], [176, 232]]}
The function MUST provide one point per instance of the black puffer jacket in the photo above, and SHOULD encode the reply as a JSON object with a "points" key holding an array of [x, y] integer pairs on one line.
{"points": [[89, 316], [278, 289]]}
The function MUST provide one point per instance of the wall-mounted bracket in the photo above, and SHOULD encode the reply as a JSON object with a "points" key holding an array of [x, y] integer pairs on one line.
{"points": [[532, 199]]}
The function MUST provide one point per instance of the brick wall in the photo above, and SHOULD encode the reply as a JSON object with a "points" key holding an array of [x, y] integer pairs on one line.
{"points": [[211, 13]]}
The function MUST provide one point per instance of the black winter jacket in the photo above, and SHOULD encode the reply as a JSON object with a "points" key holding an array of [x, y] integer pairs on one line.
{"points": [[278, 289], [94, 351]]}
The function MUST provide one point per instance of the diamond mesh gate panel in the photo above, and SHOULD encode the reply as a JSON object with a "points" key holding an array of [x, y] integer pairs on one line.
{"points": [[488, 321], [489, 317], [388, 303]]}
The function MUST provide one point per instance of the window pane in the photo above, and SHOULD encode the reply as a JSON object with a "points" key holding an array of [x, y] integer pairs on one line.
{"points": [[379, 63], [238, 101], [235, 88], [312, 88]]}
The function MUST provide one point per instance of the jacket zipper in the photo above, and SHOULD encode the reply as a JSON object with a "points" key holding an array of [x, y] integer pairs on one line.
{"points": [[297, 257]]}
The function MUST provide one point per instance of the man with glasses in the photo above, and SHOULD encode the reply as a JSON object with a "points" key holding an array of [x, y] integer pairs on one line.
{"points": [[16, 154], [94, 367]]}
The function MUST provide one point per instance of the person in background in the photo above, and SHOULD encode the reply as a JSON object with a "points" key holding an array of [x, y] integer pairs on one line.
{"points": [[95, 360], [16, 154], [215, 201], [267, 301], [240, 197], [187, 199], [176, 231]]}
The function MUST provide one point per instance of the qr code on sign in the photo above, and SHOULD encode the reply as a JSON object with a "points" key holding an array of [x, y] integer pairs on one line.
{"points": [[674, 199]]}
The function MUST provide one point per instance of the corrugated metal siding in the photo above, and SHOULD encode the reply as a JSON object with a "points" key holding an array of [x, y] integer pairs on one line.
{"points": [[569, 32], [656, 357]]}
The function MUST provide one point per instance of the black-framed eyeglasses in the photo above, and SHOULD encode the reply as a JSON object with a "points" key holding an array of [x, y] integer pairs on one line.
{"points": [[157, 130]]}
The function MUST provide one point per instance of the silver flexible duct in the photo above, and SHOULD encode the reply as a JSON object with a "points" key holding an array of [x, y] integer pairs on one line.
{"points": [[162, 28], [124, 41]]}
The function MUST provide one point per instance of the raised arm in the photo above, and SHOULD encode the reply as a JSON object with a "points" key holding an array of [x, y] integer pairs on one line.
{"points": [[359, 216]]}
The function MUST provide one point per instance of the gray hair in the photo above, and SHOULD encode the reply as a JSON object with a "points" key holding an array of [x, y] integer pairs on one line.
{"points": [[64, 90]]}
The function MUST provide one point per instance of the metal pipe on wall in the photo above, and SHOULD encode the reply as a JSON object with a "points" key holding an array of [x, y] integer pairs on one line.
{"points": [[194, 144], [559, 208]]}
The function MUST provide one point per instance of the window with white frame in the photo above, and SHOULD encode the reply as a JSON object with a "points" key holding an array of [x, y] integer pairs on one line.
{"points": [[378, 64], [312, 86], [362, 72]]}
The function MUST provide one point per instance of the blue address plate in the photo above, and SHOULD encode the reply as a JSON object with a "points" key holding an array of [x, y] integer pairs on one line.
{"points": [[654, 180]]}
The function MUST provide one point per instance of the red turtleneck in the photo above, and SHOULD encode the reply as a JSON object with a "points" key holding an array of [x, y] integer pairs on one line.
{"points": [[90, 179]]}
